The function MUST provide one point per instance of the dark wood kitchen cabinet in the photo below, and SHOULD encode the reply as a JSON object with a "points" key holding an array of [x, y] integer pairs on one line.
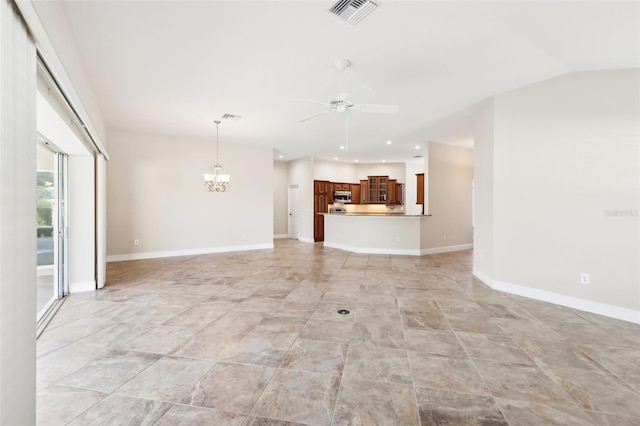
{"points": [[391, 191], [420, 188], [399, 193], [322, 197], [377, 189], [355, 193], [364, 191]]}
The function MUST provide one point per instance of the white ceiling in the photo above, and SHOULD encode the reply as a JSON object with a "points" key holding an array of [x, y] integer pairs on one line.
{"points": [[174, 66]]}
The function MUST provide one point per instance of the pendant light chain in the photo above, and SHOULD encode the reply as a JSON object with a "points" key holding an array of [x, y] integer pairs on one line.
{"points": [[217, 141]]}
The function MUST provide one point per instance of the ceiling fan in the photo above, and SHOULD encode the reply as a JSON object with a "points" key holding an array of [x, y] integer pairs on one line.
{"points": [[341, 103]]}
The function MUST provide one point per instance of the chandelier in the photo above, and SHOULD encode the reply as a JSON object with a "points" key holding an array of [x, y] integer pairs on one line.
{"points": [[216, 181]]}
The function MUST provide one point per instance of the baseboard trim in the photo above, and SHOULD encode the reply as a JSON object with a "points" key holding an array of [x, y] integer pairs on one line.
{"points": [[611, 311], [482, 276], [366, 250], [306, 240], [187, 252], [446, 249], [399, 252], [78, 287], [280, 236]]}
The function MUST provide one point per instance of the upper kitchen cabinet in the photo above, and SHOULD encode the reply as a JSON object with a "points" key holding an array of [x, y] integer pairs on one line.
{"points": [[395, 192], [399, 193], [322, 187], [377, 190], [420, 188], [364, 191], [381, 190], [355, 193]]}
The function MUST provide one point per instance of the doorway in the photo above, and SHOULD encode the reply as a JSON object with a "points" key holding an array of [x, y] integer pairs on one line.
{"points": [[293, 200], [51, 228]]}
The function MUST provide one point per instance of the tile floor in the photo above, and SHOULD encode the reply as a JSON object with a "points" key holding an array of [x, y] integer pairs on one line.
{"points": [[254, 338]]}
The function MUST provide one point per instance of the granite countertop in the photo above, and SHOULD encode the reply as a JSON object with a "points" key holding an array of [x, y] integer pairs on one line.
{"points": [[376, 214]]}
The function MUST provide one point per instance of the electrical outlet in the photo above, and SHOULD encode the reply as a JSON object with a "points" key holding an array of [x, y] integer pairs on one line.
{"points": [[584, 278], [136, 242], [444, 236]]}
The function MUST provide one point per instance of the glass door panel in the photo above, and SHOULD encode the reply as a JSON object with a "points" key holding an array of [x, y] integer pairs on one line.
{"points": [[50, 227]]}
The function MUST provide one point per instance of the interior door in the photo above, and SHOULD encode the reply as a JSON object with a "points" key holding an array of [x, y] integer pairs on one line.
{"points": [[293, 196]]}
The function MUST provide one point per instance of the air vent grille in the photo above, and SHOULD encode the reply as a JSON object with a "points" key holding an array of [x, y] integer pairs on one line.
{"points": [[353, 10], [231, 117]]}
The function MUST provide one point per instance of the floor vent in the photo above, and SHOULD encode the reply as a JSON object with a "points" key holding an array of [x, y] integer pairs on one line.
{"points": [[353, 11]]}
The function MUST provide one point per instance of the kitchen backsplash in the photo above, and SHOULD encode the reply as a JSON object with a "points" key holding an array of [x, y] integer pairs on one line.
{"points": [[370, 208]]}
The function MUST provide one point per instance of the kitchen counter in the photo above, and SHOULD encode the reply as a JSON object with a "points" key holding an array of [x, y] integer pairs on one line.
{"points": [[375, 214], [381, 233]]}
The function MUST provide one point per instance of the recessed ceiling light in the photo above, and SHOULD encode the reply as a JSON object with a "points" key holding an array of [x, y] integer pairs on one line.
{"points": [[341, 146], [356, 160], [417, 146], [388, 142], [280, 156], [335, 158], [384, 161]]}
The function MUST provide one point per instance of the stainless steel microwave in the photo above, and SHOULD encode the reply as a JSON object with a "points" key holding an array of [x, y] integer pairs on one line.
{"points": [[341, 196]]}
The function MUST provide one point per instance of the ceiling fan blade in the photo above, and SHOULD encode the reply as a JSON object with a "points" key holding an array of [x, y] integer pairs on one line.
{"points": [[314, 115], [310, 102], [379, 109]]}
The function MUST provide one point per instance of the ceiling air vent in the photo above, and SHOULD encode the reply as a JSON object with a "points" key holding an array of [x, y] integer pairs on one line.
{"points": [[353, 10], [231, 117]]}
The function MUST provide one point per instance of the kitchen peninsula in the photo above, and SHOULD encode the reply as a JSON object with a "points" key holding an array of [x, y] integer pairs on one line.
{"points": [[380, 233]]}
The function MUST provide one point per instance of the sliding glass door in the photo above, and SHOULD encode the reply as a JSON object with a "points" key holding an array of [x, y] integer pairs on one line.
{"points": [[51, 227]]}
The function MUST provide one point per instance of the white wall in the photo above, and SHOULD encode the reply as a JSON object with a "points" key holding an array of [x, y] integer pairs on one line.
{"points": [[59, 49], [280, 213], [565, 152], [81, 235], [483, 193], [411, 189], [301, 174], [155, 194], [335, 171], [393, 170], [450, 197]]}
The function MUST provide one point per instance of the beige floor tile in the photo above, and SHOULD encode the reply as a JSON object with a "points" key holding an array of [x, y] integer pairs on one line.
{"points": [[122, 410], [373, 403], [378, 364], [183, 415], [169, 379], [58, 405], [254, 338], [316, 356], [439, 407], [230, 387], [299, 396]]}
